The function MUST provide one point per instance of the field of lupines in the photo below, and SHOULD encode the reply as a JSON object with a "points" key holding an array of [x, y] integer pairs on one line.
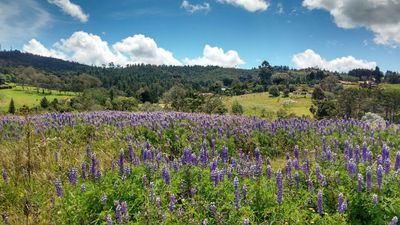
{"points": [[179, 168]]}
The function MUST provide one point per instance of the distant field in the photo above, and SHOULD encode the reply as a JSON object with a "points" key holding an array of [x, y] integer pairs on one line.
{"points": [[391, 86], [254, 104], [28, 96]]}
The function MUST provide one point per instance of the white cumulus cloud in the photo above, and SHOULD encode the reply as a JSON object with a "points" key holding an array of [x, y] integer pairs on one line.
{"points": [[309, 59], [249, 5], [380, 16], [90, 49], [217, 57], [142, 49], [20, 19], [71, 9], [36, 47], [193, 8]]}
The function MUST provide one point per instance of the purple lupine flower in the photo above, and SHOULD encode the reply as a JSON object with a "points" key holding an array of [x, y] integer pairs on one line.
{"points": [[84, 170], [246, 221], [352, 168], [83, 188], [297, 178], [193, 191], [340, 207], [394, 221], [59, 189], [204, 155], [364, 151], [288, 169], [320, 203], [306, 167], [224, 154], [205, 222], [131, 152], [359, 182], [279, 192], [5, 176], [385, 152], [73, 176], [144, 179], [121, 161], [214, 164], [118, 213], [214, 176], [113, 164], [379, 174], [236, 193], [357, 154], [124, 210], [88, 154], [172, 202], [93, 167], [387, 166], [310, 185], [375, 199], [109, 220], [244, 192], [269, 172], [166, 175], [158, 202], [268, 161], [213, 208], [369, 178], [397, 163], [296, 152]]}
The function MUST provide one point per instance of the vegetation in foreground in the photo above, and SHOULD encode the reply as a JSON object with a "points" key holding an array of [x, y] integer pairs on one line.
{"points": [[179, 168]]}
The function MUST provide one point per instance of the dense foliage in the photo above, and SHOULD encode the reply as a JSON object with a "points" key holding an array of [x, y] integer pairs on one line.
{"points": [[179, 168]]}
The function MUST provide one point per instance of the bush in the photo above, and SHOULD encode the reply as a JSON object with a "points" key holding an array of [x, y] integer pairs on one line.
{"points": [[274, 91], [44, 103], [237, 108]]}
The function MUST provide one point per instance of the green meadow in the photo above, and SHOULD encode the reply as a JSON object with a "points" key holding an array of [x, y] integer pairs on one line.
{"points": [[29, 96], [259, 104]]}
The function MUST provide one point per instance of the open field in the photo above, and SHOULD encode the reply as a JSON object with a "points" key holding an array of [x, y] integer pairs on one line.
{"points": [[391, 86], [254, 104], [29, 96], [180, 168]]}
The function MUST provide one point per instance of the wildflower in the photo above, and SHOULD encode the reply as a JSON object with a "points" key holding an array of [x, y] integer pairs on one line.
{"points": [[59, 190], [236, 193], [279, 193], [320, 207], [172, 202], [121, 161], [158, 202], [213, 208], [394, 221], [103, 199], [379, 174], [342, 205], [5, 176], [83, 188], [359, 182], [375, 199], [369, 178], [109, 220], [72, 176], [166, 175], [397, 163], [84, 170], [244, 192], [246, 221]]}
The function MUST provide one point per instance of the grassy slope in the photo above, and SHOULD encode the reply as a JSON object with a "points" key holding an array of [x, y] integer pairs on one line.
{"points": [[28, 96], [254, 103]]}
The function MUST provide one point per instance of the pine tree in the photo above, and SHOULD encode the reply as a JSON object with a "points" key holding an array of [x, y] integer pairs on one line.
{"points": [[44, 103], [11, 107]]}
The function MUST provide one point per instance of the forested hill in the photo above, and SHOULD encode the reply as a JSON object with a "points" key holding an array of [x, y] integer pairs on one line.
{"points": [[17, 58], [142, 81]]}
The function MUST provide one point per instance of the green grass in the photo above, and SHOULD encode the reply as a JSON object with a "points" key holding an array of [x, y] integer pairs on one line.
{"points": [[29, 96], [391, 86], [254, 104]]}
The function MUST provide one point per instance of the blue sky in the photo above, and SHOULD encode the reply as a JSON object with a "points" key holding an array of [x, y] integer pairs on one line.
{"points": [[230, 33]]}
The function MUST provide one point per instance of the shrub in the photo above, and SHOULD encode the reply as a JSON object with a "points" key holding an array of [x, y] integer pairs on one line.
{"points": [[274, 91], [237, 108]]}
